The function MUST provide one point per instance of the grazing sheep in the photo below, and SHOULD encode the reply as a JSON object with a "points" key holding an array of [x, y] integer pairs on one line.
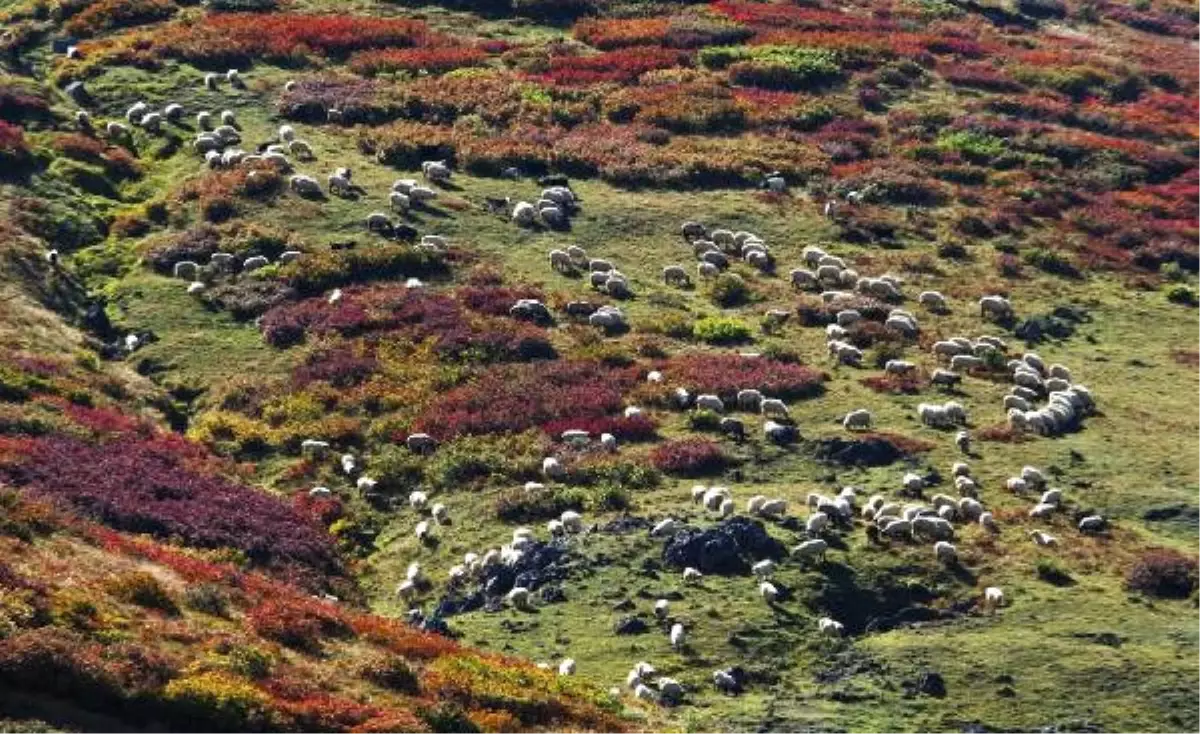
{"points": [[692, 575], [830, 627], [423, 531], [945, 378], [993, 598], [988, 522], [724, 681], [1043, 539], [552, 468], [662, 608], [962, 440], [932, 300], [779, 433], [945, 552], [857, 420], [816, 523], [913, 482], [1092, 524], [763, 569], [664, 528], [678, 636], [995, 307], [774, 408], [898, 367], [710, 402], [814, 548], [520, 598], [670, 690], [379, 222], [768, 592], [1033, 476]]}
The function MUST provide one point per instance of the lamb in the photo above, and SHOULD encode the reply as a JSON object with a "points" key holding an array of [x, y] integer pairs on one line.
{"points": [[677, 636], [945, 552], [814, 548], [857, 420], [768, 592]]}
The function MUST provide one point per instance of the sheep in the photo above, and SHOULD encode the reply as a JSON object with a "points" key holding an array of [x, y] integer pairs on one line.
{"points": [[662, 607], [692, 230], [932, 300], [763, 569], [857, 420], [670, 690], [308, 186], [572, 521], [814, 548], [966, 486], [1033, 476], [379, 222], [710, 402], [988, 522], [934, 527], [779, 433], [830, 627], [996, 307], [774, 408], [970, 508], [116, 131], [423, 532], [912, 482], [773, 508], [440, 514], [816, 523], [664, 528], [945, 378], [965, 363], [768, 592], [552, 468], [1092, 524], [677, 636], [1043, 539], [898, 367], [725, 681], [945, 552], [519, 597], [692, 575], [349, 463]]}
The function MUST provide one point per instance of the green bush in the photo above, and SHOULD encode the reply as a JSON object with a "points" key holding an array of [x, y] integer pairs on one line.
{"points": [[470, 459], [207, 598], [729, 289], [975, 147], [721, 330], [517, 505], [391, 672], [1050, 571], [1182, 295], [704, 420], [775, 67], [397, 470], [141, 588], [1052, 261], [218, 700]]}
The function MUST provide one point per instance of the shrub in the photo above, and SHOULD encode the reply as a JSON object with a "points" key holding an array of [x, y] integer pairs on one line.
{"points": [[50, 661], [1009, 265], [721, 330], [143, 589], [1052, 261], [438, 60], [391, 672], [108, 14], [729, 289], [196, 244], [725, 374], [210, 599], [1052, 572], [298, 623], [1164, 573], [218, 700], [517, 505], [152, 486], [1182, 295], [689, 457]]}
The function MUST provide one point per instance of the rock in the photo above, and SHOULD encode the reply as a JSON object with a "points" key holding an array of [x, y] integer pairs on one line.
{"points": [[927, 683], [728, 548], [627, 524], [553, 594], [630, 626], [858, 452]]}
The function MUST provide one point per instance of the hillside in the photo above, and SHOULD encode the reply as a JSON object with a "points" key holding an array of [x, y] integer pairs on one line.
{"points": [[237, 405]]}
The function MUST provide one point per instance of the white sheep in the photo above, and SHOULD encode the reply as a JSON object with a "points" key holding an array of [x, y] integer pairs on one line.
{"points": [[662, 608], [945, 552], [1042, 538], [664, 528], [678, 636], [763, 569], [993, 598], [1092, 524], [768, 592], [814, 548], [692, 575], [423, 531], [774, 408], [519, 597], [857, 420], [830, 627], [566, 667]]}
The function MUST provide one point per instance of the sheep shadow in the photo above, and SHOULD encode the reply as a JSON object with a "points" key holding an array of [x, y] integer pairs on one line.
{"points": [[961, 573]]}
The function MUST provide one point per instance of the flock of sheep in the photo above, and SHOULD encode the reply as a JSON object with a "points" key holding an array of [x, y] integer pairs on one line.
{"points": [[935, 522]]}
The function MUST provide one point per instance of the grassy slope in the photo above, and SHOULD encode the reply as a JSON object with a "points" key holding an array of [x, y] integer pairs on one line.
{"points": [[1136, 455]]}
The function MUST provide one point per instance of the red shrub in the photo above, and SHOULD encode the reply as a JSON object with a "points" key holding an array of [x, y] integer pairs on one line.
{"points": [[325, 712], [108, 14], [1163, 572], [13, 149], [51, 661], [437, 60], [150, 486], [608, 34], [725, 374], [340, 367], [614, 66], [319, 510], [513, 399], [689, 457], [299, 623], [910, 384], [19, 101], [637, 428], [495, 301], [233, 38]]}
